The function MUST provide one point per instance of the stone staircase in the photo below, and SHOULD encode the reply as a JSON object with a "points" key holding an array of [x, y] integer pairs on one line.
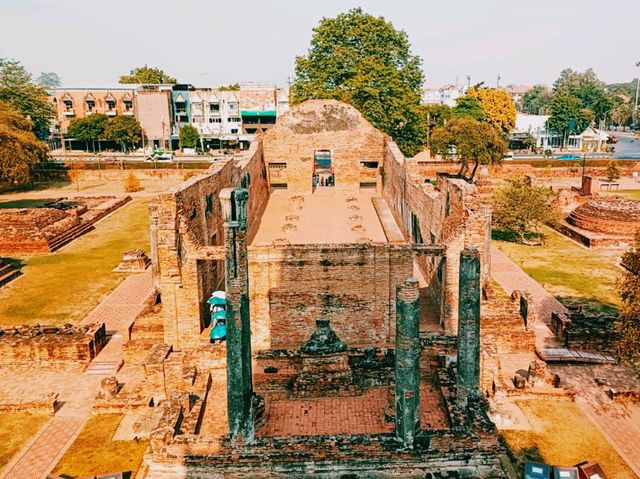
{"points": [[109, 361], [68, 236], [7, 272]]}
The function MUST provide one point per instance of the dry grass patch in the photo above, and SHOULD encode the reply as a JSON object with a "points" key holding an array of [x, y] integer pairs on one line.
{"points": [[16, 428], [94, 452], [64, 286], [563, 436]]}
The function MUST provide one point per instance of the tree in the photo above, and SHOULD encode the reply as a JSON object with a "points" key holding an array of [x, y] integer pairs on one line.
{"points": [[362, 60], [147, 75], [132, 183], [468, 106], [230, 87], [497, 106], [628, 322], [189, 136], [521, 208], [568, 115], [124, 130], [587, 89], [88, 128], [613, 171], [622, 115], [537, 101], [474, 142], [49, 80], [437, 115], [20, 150], [17, 89]]}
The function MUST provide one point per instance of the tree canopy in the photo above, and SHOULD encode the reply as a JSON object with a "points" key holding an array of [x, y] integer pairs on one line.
{"points": [[19, 147], [189, 136], [49, 80], [497, 106], [363, 60], [475, 142], [147, 75], [537, 101], [124, 130], [628, 322], [88, 128], [521, 208], [468, 106], [18, 90]]}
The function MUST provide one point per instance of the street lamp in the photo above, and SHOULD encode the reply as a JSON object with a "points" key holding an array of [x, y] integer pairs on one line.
{"points": [[637, 86]]}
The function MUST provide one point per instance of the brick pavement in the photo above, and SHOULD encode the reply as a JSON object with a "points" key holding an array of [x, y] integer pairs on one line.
{"points": [[124, 304], [345, 415], [77, 391]]}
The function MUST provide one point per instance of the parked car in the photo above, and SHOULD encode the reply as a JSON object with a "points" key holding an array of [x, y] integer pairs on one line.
{"points": [[568, 157], [160, 155]]}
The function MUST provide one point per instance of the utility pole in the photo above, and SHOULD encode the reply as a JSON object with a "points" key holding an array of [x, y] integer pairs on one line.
{"points": [[468, 81], [498, 81], [637, 87]]}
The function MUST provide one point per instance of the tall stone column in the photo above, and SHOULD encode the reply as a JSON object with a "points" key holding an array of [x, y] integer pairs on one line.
{"points": [[407, 366], [153, 240], [239, 379], [469, 326]]}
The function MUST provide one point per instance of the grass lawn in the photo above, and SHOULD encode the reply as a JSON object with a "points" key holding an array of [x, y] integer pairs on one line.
{"points": [[94, 452], [15, 430], [571, 272], [629, 194], [562, 436], [65, 286]]}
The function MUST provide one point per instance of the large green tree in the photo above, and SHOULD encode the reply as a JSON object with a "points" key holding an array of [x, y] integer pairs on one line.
{"points": [[437, 115], [124, 130], [147, 75], [537, 101], [89, 128], [578, 99], [474, 142], [49, 80], [468, 106], [628, 322], [363, 60], [20, 150], [19, 91], [522, 209], [189, 136]]}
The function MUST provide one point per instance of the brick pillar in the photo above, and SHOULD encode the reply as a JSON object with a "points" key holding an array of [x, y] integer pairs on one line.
{"points": [[153, 240], [469, 326], [407, 361], [239, 379]]}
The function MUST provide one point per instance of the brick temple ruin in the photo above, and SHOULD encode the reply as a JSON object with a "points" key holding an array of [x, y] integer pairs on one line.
{"points": [[354, 291], [55, 224]]}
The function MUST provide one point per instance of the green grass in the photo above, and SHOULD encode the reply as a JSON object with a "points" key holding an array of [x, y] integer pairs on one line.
{"points": [[629, 194], [94, 452], [65, 286], [15, 430], [572, 273], [29, 203], [562, 436]]}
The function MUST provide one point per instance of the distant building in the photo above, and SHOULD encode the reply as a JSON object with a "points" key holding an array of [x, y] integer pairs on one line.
{"points": [[446, 95], [536, 126], [517, 92]]}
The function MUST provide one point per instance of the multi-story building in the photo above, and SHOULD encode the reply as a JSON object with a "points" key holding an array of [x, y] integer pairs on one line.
{"points": [[224, 118], [75, 102], [446, 95]]}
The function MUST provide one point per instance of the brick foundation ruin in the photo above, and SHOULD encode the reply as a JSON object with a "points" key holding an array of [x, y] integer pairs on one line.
{"points": [[603, 221], [46, 229]]}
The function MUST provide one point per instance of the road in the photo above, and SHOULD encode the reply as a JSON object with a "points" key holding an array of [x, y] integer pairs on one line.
{"points": [[628, 146]]}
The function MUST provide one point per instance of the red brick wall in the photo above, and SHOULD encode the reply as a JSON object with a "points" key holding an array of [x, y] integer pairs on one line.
{"points": [[323, 125], [353, 285]]}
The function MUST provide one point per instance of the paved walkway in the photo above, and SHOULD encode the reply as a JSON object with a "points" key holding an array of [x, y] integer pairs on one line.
{"points": [[124, 304], [48, 446], [511, 278]]}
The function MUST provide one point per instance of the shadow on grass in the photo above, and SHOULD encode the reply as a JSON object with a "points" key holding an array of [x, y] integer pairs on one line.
{"points": [[16, 263], [34, 186], [511, 237], [27, 203], [590, 305], [518, 457]]}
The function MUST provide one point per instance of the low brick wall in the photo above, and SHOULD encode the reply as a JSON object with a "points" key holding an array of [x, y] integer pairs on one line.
{"points": [[71, 347]]}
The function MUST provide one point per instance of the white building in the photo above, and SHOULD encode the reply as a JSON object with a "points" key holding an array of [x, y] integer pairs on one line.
{"points": [[536, 126], [446, 95]]}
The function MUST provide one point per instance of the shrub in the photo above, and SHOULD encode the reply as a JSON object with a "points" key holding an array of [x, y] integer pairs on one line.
{"points": [[132, 183]]}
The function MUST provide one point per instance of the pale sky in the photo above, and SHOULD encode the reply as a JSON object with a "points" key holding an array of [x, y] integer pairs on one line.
{"points": [[212, 42]]}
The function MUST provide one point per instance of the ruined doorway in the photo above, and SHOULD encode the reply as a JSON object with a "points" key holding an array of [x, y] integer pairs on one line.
{"points": [[323, 174]]}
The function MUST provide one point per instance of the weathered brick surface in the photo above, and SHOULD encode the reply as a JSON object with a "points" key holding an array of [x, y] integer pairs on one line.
{"points": [[352, 285], [53, 347], [613, 216], [324, 125]]}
